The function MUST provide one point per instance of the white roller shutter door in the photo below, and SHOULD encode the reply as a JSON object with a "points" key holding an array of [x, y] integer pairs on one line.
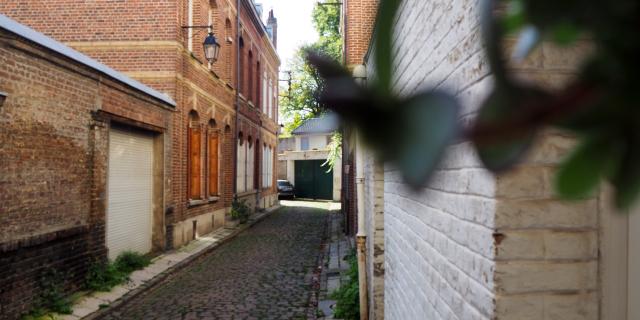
{"points": [[130, 192]]}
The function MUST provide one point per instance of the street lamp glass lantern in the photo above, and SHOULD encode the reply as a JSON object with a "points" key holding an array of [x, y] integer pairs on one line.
{"points": [[211, 48]]}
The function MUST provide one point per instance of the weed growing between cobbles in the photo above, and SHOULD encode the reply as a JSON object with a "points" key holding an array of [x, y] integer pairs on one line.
{"points": [[103, 276], [347, 296]]}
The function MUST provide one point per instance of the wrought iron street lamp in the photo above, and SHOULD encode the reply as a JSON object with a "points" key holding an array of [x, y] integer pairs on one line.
{"points": [[211, 48], [210, 45]]}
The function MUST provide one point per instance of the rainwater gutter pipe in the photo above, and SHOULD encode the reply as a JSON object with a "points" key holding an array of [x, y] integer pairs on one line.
{"points": [[237, 104], [360, 75]]}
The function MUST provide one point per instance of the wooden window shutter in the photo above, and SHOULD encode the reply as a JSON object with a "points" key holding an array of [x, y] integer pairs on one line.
{"points": [[195, 167], [213, 164]]}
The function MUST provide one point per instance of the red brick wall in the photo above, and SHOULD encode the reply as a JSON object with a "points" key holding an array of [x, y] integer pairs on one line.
{"points": [[53, 128], [145, 40], [360, 19], [72, 20]]}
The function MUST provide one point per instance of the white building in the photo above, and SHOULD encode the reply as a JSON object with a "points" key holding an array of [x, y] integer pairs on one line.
{"points": [[302, 160]]}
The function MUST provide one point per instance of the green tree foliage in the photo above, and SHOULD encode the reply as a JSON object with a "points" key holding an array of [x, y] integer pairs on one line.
{"points": [[335, 151], [600, 107], [303, 99]]}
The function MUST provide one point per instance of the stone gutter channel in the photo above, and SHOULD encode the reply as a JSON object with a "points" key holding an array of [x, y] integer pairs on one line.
{"points": [[335, 267], [96, 304]]}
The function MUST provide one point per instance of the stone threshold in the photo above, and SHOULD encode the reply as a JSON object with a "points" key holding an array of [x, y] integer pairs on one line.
{"points": [[96, 304]]}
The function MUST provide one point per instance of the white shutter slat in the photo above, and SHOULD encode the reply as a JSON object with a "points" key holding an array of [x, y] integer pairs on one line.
{"points": [[130, 192]]}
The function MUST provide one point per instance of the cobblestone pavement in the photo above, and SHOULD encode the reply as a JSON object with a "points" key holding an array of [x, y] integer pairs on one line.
{"points": [[263, 273]]}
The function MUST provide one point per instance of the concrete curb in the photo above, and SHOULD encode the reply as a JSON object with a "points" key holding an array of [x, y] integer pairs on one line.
{"points": [[184, 262]]}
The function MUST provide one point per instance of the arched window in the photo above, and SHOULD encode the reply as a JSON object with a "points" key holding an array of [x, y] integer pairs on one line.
{"points": [[257, 94], [241, 67], [211, 21], [250, 78], [227, 50], [213, 148], [190, 23], [194, 146]]}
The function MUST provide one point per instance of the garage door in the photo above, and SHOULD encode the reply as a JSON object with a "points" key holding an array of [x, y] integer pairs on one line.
{"points": [[130, 191], [312, 181]]}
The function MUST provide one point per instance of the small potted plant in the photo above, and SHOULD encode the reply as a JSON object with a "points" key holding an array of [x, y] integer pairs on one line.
{"points": [[240, 211]]}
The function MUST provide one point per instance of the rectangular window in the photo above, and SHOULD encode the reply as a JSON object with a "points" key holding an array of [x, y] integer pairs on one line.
{"points": [[195, 166], [265, 92], [264, 167], [258, 85], [249, 166], [304, 143], [275, 102], [213, 164], [270, 98], [241, 173], [270, 167]]}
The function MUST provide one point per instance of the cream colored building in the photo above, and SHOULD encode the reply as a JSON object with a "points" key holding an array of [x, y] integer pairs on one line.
{"points": [[309, 146]]}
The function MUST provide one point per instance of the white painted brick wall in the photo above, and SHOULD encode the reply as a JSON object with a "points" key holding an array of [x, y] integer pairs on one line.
{"points": [[374, 229], [470, 245]]}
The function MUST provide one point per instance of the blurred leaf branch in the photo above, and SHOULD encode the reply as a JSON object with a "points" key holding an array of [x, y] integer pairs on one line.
{"points": [[601, 107]]}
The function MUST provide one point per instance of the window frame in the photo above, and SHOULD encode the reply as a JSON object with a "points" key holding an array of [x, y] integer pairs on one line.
{"points": [[194, 161], [213, 189]]}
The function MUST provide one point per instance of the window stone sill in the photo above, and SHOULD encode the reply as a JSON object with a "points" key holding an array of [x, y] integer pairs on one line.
{"points": [[246, 193], [195, 203]]}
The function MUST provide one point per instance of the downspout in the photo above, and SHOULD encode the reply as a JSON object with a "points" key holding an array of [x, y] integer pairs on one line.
{"points": [[360, 75], [237, 104]]}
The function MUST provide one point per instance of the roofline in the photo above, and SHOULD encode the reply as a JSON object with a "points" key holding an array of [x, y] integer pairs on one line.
{"points": [[314, 132], [258, 22], [25, 32]]}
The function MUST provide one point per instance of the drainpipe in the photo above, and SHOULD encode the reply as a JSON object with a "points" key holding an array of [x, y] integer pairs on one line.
{"points": [[237, 106], [360, 74]]}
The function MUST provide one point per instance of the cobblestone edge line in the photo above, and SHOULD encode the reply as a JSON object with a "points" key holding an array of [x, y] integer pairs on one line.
{"points": [[151, 283], [316, 272]]}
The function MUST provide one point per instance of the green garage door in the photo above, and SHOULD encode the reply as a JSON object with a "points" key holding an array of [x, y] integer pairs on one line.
{"points": [[312, 180]]}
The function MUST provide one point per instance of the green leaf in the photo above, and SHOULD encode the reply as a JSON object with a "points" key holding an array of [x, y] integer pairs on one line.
{"points": [[514, 18], [565, 33], [429, 124], [581, 172], [492, 33], [501, 155], [383, 44], [503, 108], [627, 181]]}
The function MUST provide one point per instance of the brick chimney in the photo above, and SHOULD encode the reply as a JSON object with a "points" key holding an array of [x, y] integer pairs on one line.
{"points": [[272, 28]]}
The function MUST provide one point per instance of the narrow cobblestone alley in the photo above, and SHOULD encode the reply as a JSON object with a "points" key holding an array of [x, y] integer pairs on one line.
{"points": [[264, 273]]}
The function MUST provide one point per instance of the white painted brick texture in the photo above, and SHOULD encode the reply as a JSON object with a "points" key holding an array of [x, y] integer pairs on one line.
{"points": [[374, 228], [470, 245]]}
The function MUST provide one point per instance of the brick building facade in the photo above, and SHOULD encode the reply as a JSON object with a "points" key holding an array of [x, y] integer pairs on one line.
{"points": [[54, 127], [471, 245], [212, 139], [146, 41]]}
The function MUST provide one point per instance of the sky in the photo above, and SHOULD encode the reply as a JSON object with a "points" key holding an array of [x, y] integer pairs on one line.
{"points": [[294, 25]]}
